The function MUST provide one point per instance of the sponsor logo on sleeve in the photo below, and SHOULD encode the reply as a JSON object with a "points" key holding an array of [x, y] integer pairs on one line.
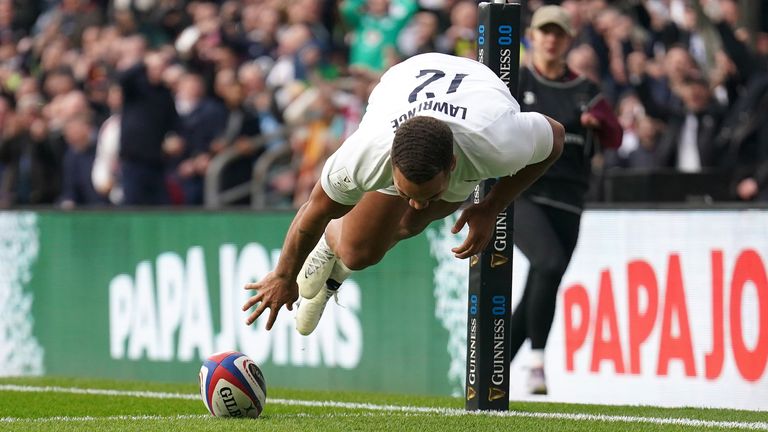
{"points": [[341, 180]]}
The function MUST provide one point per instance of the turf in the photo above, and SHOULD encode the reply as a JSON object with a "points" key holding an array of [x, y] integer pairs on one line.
{"points": [[292, 410]]}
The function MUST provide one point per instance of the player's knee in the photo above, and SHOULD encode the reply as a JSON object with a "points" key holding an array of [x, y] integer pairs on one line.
{"points": [[360, 258]]}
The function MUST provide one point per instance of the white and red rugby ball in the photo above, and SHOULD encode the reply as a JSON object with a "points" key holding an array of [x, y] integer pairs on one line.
{"points": [[232, 385]]}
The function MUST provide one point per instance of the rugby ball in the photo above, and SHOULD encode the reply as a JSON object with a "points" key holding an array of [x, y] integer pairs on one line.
{"points": [[232, 385]]}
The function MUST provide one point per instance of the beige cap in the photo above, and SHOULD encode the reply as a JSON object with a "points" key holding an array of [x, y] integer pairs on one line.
{"points": [[552, 15]]}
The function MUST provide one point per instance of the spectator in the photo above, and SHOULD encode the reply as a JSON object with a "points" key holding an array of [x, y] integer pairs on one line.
{"points": [[203, 46], [459, 38], [318, 133], [240, 129], [259, 32], [688, 143], [25, 14], [70, 18], [77, 187], [420, 36], [638, 143], [148, 116], [201, 120], [106, 165], [667, 82], [9, 27], [259, 100], [582, 60], [289, 66], [307, 12], [375, 26], [643, 157], [32, 173]]}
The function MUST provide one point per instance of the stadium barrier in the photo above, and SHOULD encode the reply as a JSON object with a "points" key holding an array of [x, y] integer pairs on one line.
{"points": [[658, 307]]}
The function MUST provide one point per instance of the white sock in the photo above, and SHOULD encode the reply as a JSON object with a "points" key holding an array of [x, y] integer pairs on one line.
{"points": [[339, 272], [537, 358]]}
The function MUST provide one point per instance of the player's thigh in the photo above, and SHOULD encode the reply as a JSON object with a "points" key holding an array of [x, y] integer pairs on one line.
{"points": [[377, 223], [372, 225]]}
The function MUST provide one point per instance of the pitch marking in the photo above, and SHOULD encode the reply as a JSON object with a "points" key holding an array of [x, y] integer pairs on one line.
{"points": [[405, 409]]}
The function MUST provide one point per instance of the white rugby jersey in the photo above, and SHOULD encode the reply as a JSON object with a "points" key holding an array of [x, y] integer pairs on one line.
{"points": [[492, 138]]}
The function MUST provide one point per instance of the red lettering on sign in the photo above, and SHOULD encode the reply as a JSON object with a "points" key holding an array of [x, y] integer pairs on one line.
{"points": [[640, 276], [606, 348], [749, 267], [679, 347], [575, 297], [713, 362]]}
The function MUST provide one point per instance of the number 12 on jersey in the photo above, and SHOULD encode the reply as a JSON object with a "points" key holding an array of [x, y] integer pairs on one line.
{"points": [[434, 75]]}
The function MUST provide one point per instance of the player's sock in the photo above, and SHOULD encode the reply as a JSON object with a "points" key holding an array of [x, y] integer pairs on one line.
{"points": [[537, 358], [339, 272]]}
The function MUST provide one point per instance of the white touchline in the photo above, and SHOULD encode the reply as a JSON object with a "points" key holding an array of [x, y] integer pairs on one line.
{"points": [[405, 409]]}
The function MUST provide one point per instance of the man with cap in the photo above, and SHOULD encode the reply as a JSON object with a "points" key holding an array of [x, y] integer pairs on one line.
{"points": [[548, 214]]}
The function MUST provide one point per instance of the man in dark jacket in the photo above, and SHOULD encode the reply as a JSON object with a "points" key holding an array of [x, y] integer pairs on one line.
{"points": [[148, 116], [688, 142]]}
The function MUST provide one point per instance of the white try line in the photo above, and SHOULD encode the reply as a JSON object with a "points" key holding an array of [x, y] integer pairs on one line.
{"points": [[404, 409]]}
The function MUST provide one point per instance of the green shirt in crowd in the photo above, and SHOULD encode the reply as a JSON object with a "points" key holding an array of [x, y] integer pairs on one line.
{"points": [[374, 34]]}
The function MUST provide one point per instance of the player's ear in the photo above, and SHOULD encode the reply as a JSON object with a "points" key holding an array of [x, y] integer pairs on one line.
{"points": [[453, 163]]}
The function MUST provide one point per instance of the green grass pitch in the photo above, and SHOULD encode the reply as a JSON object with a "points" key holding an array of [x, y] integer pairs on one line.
{"points": [[64, 404]]}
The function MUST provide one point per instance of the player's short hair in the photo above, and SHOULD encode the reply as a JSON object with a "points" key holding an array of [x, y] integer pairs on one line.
{"points": [[422, 148]]}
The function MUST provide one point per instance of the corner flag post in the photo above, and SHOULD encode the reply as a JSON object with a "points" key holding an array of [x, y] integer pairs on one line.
{"points": [[490, 272]]}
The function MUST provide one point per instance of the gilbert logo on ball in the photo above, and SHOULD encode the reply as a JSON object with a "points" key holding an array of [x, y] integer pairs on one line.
{"points": [[232, 385]]}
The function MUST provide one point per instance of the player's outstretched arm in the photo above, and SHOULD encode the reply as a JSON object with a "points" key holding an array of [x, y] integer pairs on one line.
{"points": [[481, 217], [279, 287]]}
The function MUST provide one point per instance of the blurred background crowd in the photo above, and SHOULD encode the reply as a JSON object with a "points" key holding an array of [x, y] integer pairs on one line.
{"points": [[176, 102]]}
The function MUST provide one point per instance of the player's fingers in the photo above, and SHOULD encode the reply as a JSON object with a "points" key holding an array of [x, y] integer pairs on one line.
{"points": [[464, 255], [461, 247], [255, 315], [252, 301], [459, 223], [460, 250], [251, 286], [473, 245], [273, 310]]}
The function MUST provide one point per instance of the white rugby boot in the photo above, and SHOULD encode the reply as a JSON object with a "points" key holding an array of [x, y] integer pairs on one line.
{"points": [[316, 269], [537, 381], [311, 309]]}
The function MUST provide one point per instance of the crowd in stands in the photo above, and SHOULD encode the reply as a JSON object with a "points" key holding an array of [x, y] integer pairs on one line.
{"points": [[127, 102]]}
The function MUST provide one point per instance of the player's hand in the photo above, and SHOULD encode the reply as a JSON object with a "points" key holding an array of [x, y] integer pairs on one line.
{"points": [[272, 292], [481, 222]]}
